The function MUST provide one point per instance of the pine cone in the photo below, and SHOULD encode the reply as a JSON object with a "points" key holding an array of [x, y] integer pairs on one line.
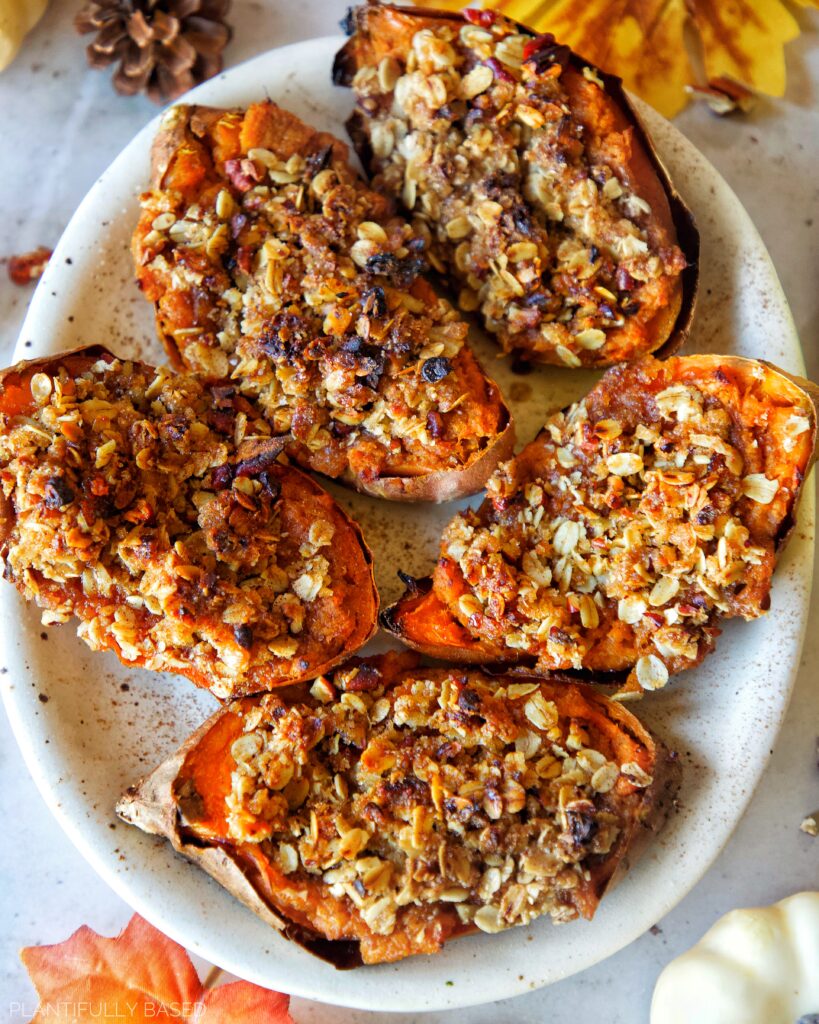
{"points": [[164, 47]]}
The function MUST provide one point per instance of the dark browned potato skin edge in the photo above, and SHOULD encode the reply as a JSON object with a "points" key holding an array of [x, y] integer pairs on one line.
{"points": [[688, 237]]}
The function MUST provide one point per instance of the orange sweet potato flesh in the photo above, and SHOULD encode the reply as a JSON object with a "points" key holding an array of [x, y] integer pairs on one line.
{"points": [[330, 348], [612, 135], [767, 421], [138, 508], [185, 800]]}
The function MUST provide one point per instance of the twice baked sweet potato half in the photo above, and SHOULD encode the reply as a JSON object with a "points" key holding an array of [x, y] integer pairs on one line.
{"points": [[272, 263], [155, 509], [396, 806], [634, 522], [530, 174]]}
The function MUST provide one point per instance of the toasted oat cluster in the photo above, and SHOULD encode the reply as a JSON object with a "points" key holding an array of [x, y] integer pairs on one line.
{"points": [[272, 263], [512, 163], [637, 519], [401, 806], [135, 509]]}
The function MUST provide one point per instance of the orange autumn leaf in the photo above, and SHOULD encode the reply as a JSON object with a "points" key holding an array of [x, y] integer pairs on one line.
{"points": [[141, 975], [646, 42], [242, 1003]]}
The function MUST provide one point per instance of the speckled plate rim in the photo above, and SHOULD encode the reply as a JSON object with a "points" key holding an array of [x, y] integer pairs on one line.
{"points": [[481, 968]]}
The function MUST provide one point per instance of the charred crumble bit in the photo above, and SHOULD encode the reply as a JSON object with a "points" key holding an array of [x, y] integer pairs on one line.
{"points": [[431, 805], [244, 636], [57, 493], [436, 369], [374, 302], [510, 196], [402, 272], [319, 160]]}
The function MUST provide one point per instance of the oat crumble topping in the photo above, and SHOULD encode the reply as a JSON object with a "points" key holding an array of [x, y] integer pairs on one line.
{"points": [[444, 788], [148, 505], [484, 134], [290, 276], [618, 538]]}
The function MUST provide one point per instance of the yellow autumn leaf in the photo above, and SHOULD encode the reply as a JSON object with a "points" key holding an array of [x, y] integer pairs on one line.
{"points": [[646, 42], [744, 40], [639, 40]]}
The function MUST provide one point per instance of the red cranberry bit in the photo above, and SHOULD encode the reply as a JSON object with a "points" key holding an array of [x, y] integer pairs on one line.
{"points": [[483, 18], [435, 425], [498, 70], [544, 51]]}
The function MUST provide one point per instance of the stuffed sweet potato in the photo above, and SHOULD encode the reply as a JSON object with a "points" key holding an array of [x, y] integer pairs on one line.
{"points": [[270, 262], [155, 509], [396, 806], [529, 172], [634, 522]]}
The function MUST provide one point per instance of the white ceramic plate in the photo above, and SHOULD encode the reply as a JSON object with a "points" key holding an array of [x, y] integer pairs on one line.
{"points": [[88, 727]]}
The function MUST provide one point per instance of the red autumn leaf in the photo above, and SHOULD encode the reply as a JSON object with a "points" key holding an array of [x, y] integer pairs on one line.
{"points": [[141, 975]]}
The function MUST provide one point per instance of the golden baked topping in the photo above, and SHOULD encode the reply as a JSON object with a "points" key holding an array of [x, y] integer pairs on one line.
{"points": [[399, 805], [271, 262], [636, 520], [155, 509], [526, 177]]}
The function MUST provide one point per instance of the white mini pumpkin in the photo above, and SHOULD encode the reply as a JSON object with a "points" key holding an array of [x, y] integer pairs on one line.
{"points": [[17, 17], [754, 966]]}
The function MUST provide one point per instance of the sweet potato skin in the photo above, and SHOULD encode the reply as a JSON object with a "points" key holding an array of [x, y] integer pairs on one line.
{"points": [[156, 805], [612, 127], [423, 618], [179, 167], [297, 490]]}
